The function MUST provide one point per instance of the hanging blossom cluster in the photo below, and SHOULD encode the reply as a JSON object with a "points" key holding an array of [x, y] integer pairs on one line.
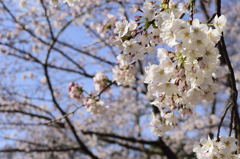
{"points": [[124, 73], [100, 81], [163, 122], [91, 101], [185, 75], [75, 91], [213, 149]]}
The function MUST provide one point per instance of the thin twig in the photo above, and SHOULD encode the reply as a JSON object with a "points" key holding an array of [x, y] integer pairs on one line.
{"points": [[221, 121]]}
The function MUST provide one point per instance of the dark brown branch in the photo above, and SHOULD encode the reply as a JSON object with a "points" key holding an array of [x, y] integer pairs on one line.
{"points": [[80, 142], [24, 141], [49, 83], [30, 32], [85, 53], [26, 113], [23, 105], [234, 93], [205, 9], [32, 58], [54, 125], [218, 7], [192, 10], [11, 150], [159, 143], [47, 18], [128, 146]]}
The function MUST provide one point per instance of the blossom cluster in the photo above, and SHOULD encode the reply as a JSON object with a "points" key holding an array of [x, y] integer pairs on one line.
{"points": [[213, 149], [163, 122], [75, 91], [94, 105], [100, 81], [186, 73], [124, 73], [91, 102]]}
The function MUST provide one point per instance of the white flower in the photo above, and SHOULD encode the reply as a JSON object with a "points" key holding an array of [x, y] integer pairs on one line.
{"points": [[197, 28], [228, 144], [156, 75], [144, 39], [100, 81], [121, 28], [180, 29], [165, 61], [206, 149], [167, 33], [193, 53], [184, 36], [94, 105], [198, 35], [158, 125], [133, 49], [75, 91], [124, 60], [132, 25], [69, 2], [148, 10], [169, 117], [124, 75], [214, 35], [209, 61], [198, 43], [158, 20], [213, 149], [168, 37], [168, 88], [194, 96], [220, 22], [154, 35]]}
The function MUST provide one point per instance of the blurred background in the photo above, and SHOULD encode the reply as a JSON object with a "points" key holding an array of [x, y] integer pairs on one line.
{"points": [[39, 120]]}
